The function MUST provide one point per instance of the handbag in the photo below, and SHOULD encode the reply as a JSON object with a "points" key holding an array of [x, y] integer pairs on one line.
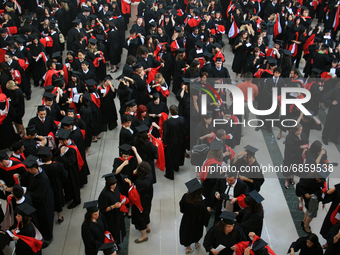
{"points": [[199, 154]]}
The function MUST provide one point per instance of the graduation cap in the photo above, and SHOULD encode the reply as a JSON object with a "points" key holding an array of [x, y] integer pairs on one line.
{"points": [[304, 8], [125, 148], [217, 45], [25, 209], [251, 149], [75, 73], [218, 59], [44, 151], [120, 77], [271, 61], [100, 37], [19, 39], [316, 71], [30, 161], [70, 110], [155, 96], [91, 82], [131, 103], [216, 145], [10, 4], [67, 121], [107, 246], [162, 11], [280, 42], [256, 196], [178, 29], [335, 60], [56, 55], [85, 62], [142, 128], [91, 206], [49, 88], [109, 14], [322, 172], [3, 156], [136, 66], [30, 130], [3, 30], [59, 82], [258, 245], [93, 41], [49, 96], [34, 36], [85, 9], [108, 77], [173, 12], [199, 43], [109, 177], [228, 217], [245, 22], [153, 24], [186, 81], [87, 96], [63, 134], [193, 185], [41, 108], [93, 16], [180, 50], [287, 52], [317, 39], [224, 196], [207, 54]]}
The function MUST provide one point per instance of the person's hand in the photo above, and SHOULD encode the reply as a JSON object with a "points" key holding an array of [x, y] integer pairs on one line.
{"points": [[335, 102], [34, 57], [126, 162], [308, 196], [227, 153], [292, 253], [233, 200], [305, 147], [9, 189], [117, 205], [240, 44], [218, 196], [247, 251], [242, 153], [133, 148], [63, 150], [159, 115], [251, 234], [62, 72], [211, 135], [15, 238], [233, 248], [214, 252], [242, 178], [322, 152], [162, 64], [127, 180], [62, 112], [195, 98]]}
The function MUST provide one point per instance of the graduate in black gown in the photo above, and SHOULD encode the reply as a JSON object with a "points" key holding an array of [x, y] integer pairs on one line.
{"points": [[195, 215], [86, 116], [333, 240], [40, 190], [155, 108], [143, 184], [109, 204], [107, 105], [307, 245], [225, 233], [95, 109], [43, 124], [93, 231], [57, 175], [126, 133]]}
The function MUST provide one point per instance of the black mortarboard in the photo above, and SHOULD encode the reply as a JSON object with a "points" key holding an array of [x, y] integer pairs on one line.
{"points": [[199, 43], [215, 145], [109, 14], [93, 16], [41, 108], [85, 9], [49, 88], [310, 115], [153, 24], [245, 22], [327, 31], [256, 196], [120, 77], [3, 30], [93, 41], [109, 177], [322, 172], [186, 81], [63, 134], [280, 42], [304, 8], [131, 103], [106, 246], [207, 54], [251, 149], [108, 77], [142, 128], [85, 62], [49, 96], [174, 12], [26, 209], [67, 121], [91, 82], [3, 156], [30, 161], [70, 110], [34, 36], [317, 71], [44, 151], [258, 244], [178, 29], [228, 217], [218, 59], [287, 52], [9, 4], [180, 50], [75, 73], [91, 206], [20, 39], [87, 96], [125, 147], [59, 82], [337, 188], [100, 37], [136, 66], [56, 55], [335, 60], [217, 45], [155, 95], [193, 185], [30, 130], [271, 61]]}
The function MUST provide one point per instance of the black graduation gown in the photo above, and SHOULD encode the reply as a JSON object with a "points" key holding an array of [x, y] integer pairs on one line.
{"points": [[126, 172], [125, 136], [335, 199], [214, 238], [7, 133], [333, 248], [145, 191], [114, 47], [93, 235], [139, 92], [250, 222], [148, 152], [6, 173], [21, 247], [57, 175], [86, 116], [114, 217], [153, 108], [108, 107], [240, 54], [331, 129], [174, 134], [96, 118], [301, 245], [195, 216], [38, 68], [43, 128], [39, 189], [18, 104], [178, 74], [308, 126]]}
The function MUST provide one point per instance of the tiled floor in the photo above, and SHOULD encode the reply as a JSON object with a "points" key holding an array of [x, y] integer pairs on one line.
{"points": [[279, 229]]}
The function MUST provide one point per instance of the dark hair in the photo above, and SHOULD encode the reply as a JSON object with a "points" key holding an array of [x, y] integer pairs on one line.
{"points": [[195, 197], [221, 226], [253, 207], [47, 158], [248, 76], [132, 31], [126, 118], [141, 139], [225, 110], [80, 36], [277, 69], [109, 184], [130, 60], [25, 219], [173, 109], [17, 146], [18, 192], [143, 169], [88, 217], [316, 146], [296, 128], [313, 238], [218, 155]]}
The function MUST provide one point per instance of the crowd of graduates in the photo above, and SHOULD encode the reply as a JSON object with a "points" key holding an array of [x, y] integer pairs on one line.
{"points": [[173, 47]]}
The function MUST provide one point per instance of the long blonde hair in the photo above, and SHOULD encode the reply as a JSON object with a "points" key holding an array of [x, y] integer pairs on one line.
{"points": [[160, 76], [65, 5]]}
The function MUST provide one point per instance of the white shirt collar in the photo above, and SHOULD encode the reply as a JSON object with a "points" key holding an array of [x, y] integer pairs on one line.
{"points": [[175, 116], [20, 201]]}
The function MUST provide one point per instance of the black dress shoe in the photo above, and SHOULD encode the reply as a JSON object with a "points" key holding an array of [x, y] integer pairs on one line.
{"points": [[257, 128], [325, 142], [28, 97], [168, 177], [72, 205], [61, 220]]}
